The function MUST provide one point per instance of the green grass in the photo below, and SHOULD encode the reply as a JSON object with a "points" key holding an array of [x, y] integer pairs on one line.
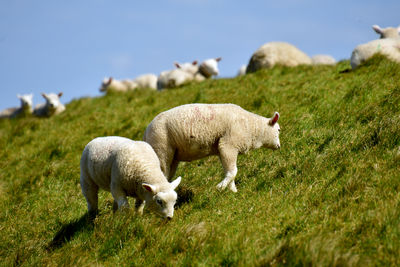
{"points": [[330, 196]]}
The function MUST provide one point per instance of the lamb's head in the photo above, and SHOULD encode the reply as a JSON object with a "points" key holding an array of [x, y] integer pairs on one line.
{"points": [[272, 135], [190, 67], [388, 32], [209, 67], [52, 100], [105, 84], [162, 202], [26, 101]]}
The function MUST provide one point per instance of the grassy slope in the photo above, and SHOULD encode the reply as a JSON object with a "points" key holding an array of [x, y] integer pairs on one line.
{"points": [[330, 196]]}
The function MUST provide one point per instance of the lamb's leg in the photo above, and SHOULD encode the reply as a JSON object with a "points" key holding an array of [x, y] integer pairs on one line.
{"points": [[139, 206], [228, 157], [119, 195], [90, 191]]}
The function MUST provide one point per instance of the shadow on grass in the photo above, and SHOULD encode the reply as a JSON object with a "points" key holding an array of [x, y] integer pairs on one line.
{"points": [[185, 195], [67, 231]]}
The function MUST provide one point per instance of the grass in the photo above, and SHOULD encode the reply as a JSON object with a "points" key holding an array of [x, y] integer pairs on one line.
{"points": [[330, 196]]}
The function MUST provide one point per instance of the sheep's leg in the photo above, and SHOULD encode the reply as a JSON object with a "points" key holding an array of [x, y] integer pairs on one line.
{"points": [[119, 195], [228, 157], [139, 206], [167, 162], [173, 168], [90, 191]]}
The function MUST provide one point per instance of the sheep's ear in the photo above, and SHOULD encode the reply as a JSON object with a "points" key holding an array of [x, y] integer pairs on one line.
{"points": [[218, 59], [60, 94], [177, 65], [274, 119], [194, 63], [377, 29], [44, 95], [150, 188], [176, 182]]}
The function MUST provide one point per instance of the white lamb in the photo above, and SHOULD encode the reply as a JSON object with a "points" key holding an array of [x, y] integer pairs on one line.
{"points": [[207, 69], [51, 107], [144, 81], [126, 168], [323, 60], [388, 32], [195, 131], [388, 47], [110, 84], [23, 110], [273, 53]]}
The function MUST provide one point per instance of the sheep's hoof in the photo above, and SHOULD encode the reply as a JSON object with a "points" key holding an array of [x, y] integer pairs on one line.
{"points": [[221, 186], [232, 187]]}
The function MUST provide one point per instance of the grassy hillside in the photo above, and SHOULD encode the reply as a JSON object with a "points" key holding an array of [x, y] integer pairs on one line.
{"points": [[330, 196]]}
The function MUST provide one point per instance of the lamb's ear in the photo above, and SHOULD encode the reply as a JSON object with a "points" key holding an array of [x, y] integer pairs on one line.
{"points": [[150, 188], [218, 59], [194, 63], [60, 94], [44, 95], [377, 29], [274, 119], [177, 65], [176, 182]]}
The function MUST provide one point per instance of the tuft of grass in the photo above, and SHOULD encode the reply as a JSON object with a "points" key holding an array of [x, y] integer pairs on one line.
{"points": [[330, 196]]}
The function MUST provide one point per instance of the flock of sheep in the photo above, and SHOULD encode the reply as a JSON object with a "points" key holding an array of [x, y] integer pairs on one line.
{"points": [[143, 169]]}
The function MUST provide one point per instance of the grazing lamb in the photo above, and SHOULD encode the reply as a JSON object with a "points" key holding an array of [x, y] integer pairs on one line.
{"points": [[388, 47], [23, 110], [274, 53], [126, 168], [388, 32], [194, 131], [51, 107], [323, 60]]}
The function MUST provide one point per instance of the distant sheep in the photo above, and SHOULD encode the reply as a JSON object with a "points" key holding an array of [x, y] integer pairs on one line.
{"points": [[51, 107], [142, 81], [24, 109], [126, 168], [194, 131], [388, 32], [388, 47], [207, 69], [323, 60], [273, 53]]}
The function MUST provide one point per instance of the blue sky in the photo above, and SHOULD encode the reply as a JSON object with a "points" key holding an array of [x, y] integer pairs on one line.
{"points": [[70, 46]]}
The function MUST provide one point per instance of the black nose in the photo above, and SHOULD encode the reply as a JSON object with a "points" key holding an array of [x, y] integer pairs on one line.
{"points": [[169, 218]]}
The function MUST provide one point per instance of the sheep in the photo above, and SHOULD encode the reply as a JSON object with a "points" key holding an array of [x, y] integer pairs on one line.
{"points": [[51, 107], [270, 54], [388, 32], [110, 84], [188, 72], [195, 131], [126, 168], [144, 81], [323, 60], [23, 110], [207, 69], [388, 47]]}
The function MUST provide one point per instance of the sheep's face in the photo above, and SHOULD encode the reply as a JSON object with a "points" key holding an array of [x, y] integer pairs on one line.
{"points": [[105, 84], [273, 135], [209, 67], [53, 100], [26, 100], [163, 202]]}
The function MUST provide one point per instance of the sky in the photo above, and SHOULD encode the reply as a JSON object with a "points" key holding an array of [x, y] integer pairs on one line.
{"points": [[70, 46]]}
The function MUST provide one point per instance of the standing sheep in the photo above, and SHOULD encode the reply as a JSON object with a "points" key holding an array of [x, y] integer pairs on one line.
{"points": [[274, 53], [51, 107], [126, 168], [195, 131], [23, 110]]}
